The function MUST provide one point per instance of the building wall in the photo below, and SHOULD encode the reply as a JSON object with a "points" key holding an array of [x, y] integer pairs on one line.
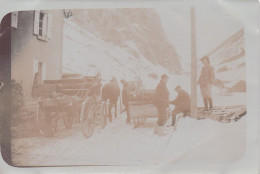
{"points": [[26, 48]]}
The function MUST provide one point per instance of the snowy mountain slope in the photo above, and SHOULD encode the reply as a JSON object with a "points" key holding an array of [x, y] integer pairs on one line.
{"points": [[229, 50], [137, 30], [228, 59], [86, 54]]}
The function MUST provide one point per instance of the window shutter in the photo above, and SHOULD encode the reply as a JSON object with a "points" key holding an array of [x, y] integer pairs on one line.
{"points": [[36, 22], [49, 31], [14, 19], [44, 26]]}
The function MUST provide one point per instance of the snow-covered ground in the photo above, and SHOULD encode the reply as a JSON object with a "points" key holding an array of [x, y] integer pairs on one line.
{"points": [[204, 142]]}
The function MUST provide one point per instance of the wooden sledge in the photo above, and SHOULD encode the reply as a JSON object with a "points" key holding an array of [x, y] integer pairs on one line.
{"points": [[140, 111], [224, 114]]}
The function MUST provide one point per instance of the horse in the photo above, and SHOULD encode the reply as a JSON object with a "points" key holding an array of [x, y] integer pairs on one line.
{"points": [[111, 92]]}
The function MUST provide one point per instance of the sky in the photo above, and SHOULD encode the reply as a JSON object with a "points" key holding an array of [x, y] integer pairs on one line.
{"points": [[215, 23]]}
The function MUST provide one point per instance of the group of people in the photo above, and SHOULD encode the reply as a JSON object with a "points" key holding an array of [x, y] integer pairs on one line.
{"points": [[182, 102], [161, 101], [111, 92]]}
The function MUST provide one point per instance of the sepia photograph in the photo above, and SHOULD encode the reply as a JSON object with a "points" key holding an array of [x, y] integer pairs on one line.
{"points": [[127, 86]]}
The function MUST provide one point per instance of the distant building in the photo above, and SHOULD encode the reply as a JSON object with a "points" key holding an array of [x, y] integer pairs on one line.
{"points": [[36, 46]]}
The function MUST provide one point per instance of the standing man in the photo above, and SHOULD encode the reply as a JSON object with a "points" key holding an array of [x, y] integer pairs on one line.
{"points": [[36, 82], [182, 103], [111, 92], [1, 85], [206, 79], [125, 100], [161, 100]]}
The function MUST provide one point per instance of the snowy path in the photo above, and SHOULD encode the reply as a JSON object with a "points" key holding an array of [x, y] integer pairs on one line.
{"points": [[118, 143]]}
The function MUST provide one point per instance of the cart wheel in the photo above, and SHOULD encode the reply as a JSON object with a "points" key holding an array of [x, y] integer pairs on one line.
{"points": [[47, 124], [68, 120], [88, 122], [104, 114], [88, 127], [53, 124]]}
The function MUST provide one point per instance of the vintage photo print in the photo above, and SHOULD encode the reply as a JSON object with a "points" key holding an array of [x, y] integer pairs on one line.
{"points": [[130, 86]]}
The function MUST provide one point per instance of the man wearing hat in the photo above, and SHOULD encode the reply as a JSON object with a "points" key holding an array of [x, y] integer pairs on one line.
{"points": [[206, 79], [161, 100], [182, 103], [125, 100]]}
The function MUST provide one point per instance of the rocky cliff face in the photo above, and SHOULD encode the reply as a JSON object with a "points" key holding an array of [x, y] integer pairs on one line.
{"points": [[229, 62], [139, 31], [230, 50]]}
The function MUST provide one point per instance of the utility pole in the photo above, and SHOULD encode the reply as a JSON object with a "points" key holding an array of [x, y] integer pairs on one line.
{"points": [[193, 65]]}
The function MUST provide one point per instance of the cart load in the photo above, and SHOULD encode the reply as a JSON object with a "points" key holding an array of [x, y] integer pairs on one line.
{"points": [[64, 99]]}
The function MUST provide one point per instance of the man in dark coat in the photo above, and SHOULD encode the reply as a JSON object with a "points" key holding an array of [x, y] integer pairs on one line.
{"points": [[125, 100], [205, 81], [161, 100], [182, 103], [111, 91]]}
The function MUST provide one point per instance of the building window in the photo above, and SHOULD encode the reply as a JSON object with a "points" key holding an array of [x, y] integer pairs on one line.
{"points": [[14, 19], [42, 25]]}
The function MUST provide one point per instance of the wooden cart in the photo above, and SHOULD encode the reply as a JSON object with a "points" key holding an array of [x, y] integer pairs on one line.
{"points": [[70, 100]]}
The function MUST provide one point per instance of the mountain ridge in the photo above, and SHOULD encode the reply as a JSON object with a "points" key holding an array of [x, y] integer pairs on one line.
{"points": [[138, 30], [230, 49]]}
